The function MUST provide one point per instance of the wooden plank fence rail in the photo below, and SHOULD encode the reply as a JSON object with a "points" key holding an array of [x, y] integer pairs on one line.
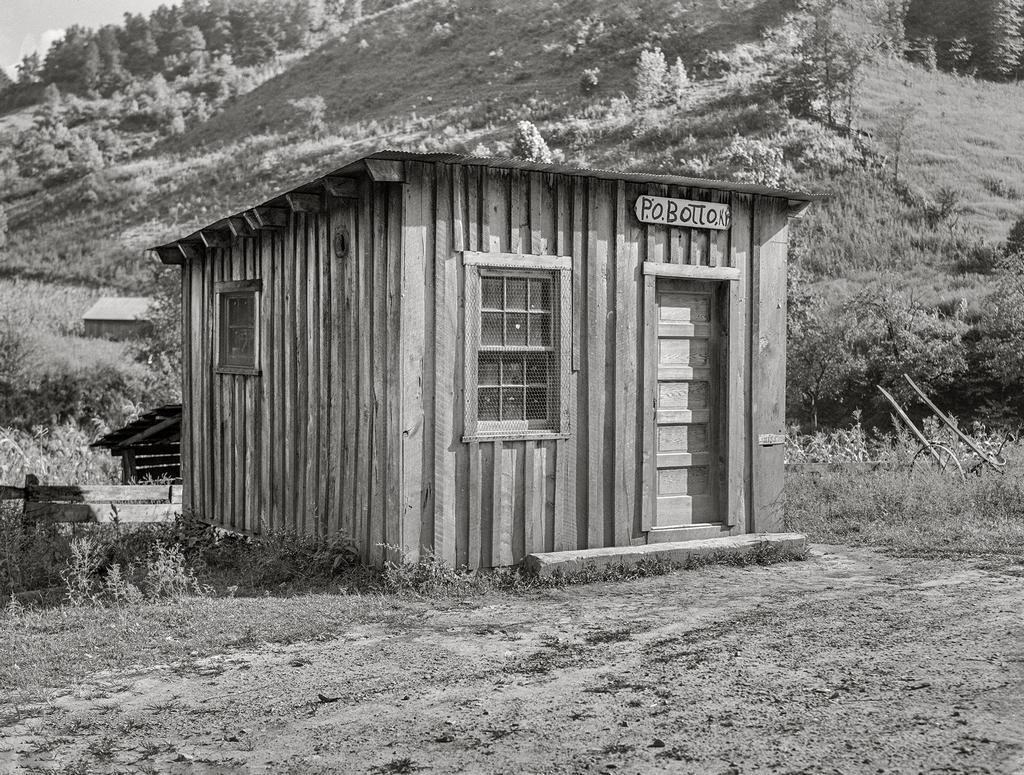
{"points": [[96, 503]]}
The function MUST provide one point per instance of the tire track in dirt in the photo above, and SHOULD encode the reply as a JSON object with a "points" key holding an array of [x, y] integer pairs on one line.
{"points": [[849, 662]]}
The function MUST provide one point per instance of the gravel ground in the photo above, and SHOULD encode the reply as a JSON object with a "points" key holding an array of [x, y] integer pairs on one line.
{"points": [[849, 662]]}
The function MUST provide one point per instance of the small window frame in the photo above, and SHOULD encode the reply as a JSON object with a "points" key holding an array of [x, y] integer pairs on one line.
{"points": [[228, 290], [559, 269]]}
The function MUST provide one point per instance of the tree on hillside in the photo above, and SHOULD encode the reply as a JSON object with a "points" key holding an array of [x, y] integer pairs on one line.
{"points": [[894, 28], [141, 55], [1015, 238], [113, 75], [5, 80], [65, 62], [961, 52], [91, 66], [896, 130], [649, 79], [821, 62], [1004, 38], [189, 52], [1001, 343], [311, 113], [28, 68]]}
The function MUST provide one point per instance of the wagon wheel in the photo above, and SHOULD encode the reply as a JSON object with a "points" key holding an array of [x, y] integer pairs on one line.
{"points": [[944, 459]]}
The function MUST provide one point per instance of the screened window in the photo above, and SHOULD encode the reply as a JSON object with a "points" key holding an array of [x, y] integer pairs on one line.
{"points": [[516, 377], [237, 340], [514, 348]]}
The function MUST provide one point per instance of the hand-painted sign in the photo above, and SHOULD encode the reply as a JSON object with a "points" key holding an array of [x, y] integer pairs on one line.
{"points": [[683, 212]]}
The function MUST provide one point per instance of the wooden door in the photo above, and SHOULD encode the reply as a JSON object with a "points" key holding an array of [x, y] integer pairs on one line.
{"points": [[687, 404]]}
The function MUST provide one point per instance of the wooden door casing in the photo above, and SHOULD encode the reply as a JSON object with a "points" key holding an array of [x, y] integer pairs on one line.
{"points": [[687, 404]]}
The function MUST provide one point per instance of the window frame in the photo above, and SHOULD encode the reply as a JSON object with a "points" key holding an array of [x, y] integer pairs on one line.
{"points": [[559, 269], [222, 292]]}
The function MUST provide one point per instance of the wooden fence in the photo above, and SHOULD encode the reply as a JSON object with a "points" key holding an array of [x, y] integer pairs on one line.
{"points": [[96, 503]]}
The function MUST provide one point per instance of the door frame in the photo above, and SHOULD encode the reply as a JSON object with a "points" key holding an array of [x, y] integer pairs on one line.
{"points": [[732, 478]]}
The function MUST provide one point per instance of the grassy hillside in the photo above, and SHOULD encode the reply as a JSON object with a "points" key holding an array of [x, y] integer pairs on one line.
{"points": [[447, 75], [964, 133]]}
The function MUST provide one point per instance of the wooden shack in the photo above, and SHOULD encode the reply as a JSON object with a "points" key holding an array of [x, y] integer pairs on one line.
{"points": [[118, 317], [487, 358], [149, 447]]}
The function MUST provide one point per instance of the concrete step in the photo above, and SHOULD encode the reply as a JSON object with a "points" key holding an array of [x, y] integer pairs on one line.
{"points": [[681, 552]]}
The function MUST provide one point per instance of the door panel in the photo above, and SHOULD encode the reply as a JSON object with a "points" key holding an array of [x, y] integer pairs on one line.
{"points": [[686, 404]]}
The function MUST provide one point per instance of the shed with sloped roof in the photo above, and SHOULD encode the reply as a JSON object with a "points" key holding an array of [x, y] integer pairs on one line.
{"points": [[487, 358], [118, 317]]}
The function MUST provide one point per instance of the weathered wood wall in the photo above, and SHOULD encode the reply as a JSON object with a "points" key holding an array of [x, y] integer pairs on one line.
{"points": [[310, 444], [355, 423], [117, 330], [489, 503]]}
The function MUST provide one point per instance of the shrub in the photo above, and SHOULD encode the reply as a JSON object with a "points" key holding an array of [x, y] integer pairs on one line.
{"points": [[749, 160], [588, 83], [528, 144]]}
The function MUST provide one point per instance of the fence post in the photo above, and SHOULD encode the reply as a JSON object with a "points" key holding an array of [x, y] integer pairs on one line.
{"points": [[31, 480]]}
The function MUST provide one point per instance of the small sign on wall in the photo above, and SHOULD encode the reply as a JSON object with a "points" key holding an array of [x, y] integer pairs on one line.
{"points": [[683, 212]]}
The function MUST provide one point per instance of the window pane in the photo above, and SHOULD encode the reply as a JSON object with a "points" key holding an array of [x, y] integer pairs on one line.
{"points": [[241, 311], [515, 329], [487, 404], [540, 329], [515, 293], [537, 370], [490, 329], [540, 294], [512, 370], [490, 289], [512, 403], [536, 403], [241, 345], [489, 372]]}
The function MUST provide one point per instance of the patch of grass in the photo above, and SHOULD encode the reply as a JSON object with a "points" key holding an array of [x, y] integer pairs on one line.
{"points": [[396, 767], [919, 511]]}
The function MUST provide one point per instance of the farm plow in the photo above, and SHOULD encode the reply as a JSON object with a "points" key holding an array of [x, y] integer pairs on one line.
{"points": [[943, 454]]}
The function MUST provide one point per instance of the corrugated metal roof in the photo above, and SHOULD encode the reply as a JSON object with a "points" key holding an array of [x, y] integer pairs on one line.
{"points": [[119, 308], [566, 169], [356, 166]]}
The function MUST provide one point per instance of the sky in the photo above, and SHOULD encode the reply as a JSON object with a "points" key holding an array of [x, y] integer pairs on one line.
{"points": [[31, 25]]}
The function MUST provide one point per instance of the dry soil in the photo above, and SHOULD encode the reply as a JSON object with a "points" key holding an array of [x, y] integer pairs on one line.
{"points": [[849, 662]]}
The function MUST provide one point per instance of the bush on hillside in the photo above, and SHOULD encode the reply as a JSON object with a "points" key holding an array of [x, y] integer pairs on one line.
{"points": [[750, 160], [529, 144]]}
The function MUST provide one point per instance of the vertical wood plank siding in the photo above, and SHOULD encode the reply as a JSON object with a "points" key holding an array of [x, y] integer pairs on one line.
{"points": [[355, 423], [289, 449]]}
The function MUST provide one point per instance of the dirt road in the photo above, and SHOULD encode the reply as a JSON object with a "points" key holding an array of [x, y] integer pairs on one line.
{"points": [[849, 662]]}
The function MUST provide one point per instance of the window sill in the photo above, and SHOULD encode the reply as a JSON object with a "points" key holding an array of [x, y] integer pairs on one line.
{"points": [[238, 371], [517, 436]]}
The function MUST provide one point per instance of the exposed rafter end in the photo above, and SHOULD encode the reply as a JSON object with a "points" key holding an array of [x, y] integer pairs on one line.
{"points": [[385, 170], [216, 238], [238, 227], [266, 218], [192, 251], [169, 254], [305, 203], [345, 188]]}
